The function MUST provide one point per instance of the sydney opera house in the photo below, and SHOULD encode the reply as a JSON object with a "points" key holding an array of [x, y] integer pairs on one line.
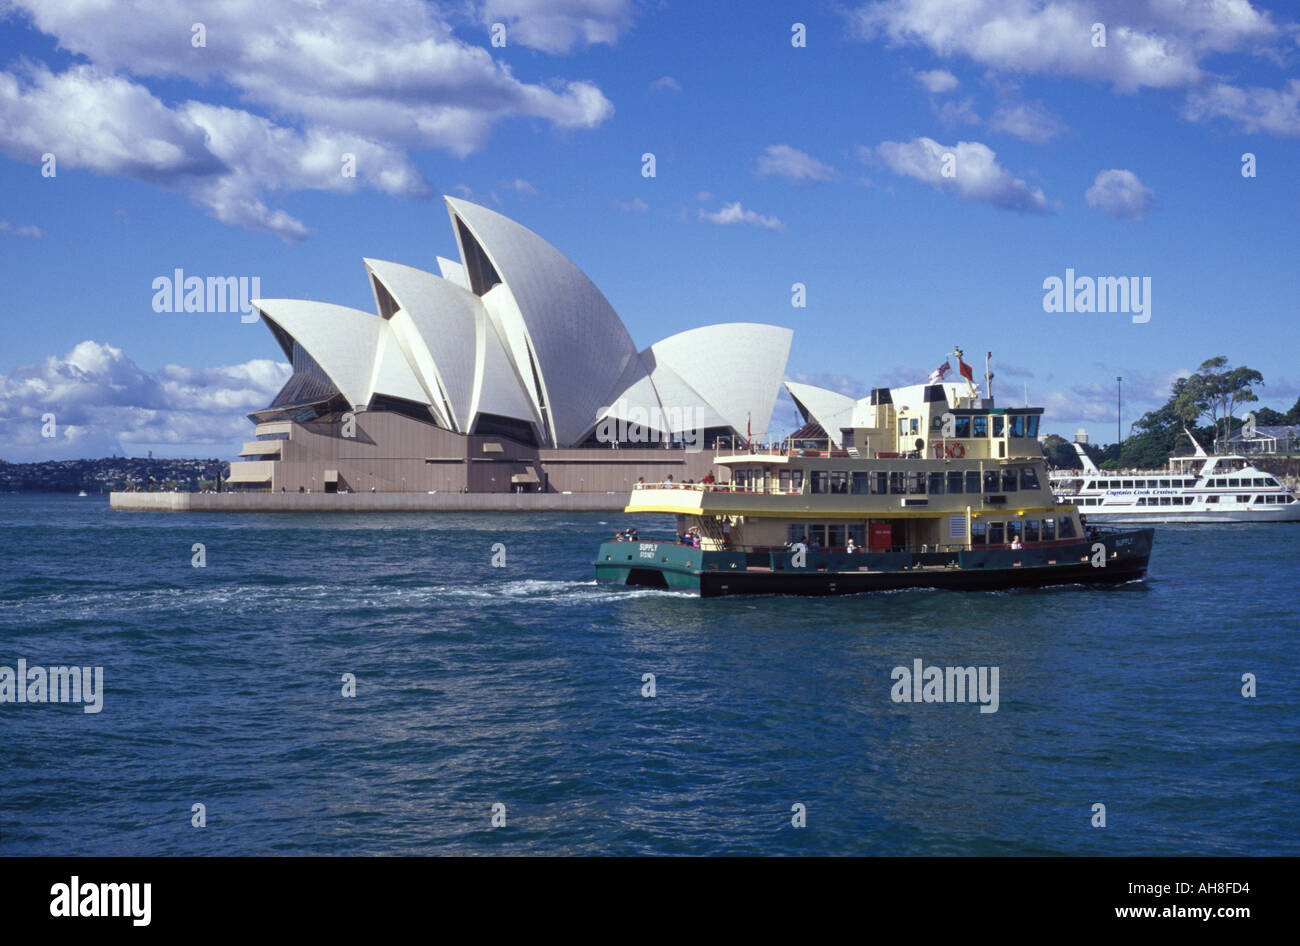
{"points": [[509, 372]]}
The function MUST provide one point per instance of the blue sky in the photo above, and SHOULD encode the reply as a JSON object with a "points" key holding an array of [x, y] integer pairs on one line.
{"points": [[775, 164]]}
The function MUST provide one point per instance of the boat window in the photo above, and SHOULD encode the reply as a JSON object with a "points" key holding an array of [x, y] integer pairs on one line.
{"points": [[839, 481], [783, 481], [954, 481], [999, 425], [916, 483], [980, 426], [796, 532], [896, 484], [1178, 500], [1164, 484], [992, 480], [1067, 527], [861, 482], [1028, 478], [936, 484], [817, 533], [1269, 500], [740, 478], [858, 533], [915, 422], [1031, 530], [978, 532], [1234, 481], [1261, 481], [995, 533], [1165, 501], [1031, 425], [1269, 481], [1243, 499], [1017, 424], [1141, 484], [1211, 499], [1126, 484], [796, 481], [1009, 481], [879, 483], [1013, 531], [835, 533], [972, 481], [1049, 530], [1090, 485], [1142, 501], [962, 429], [820, 481]]}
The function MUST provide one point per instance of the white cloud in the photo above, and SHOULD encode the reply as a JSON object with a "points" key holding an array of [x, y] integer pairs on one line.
{"points": [[785, 161], [369, 81], [22, 230], [958, 113], [665, 84], [977, 175], [520, 186], [634, 206], [1120, 194], [102, 402], [1029, 121], [735, 213], [936, 81], [1276, 111], [1159, 44], [557, 26]]}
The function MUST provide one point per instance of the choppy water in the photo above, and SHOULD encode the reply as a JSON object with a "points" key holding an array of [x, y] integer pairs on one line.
{"points": [[522, 685]]}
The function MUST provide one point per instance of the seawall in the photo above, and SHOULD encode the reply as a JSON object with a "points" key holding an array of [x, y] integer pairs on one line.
{"points": [[368, 502]]}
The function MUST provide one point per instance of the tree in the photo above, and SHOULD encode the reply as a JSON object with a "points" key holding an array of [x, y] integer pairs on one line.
{"points": [[1216, 391]]}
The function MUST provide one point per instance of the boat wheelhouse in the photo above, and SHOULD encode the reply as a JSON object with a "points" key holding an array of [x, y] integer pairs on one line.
{"points": [[1201, 487], [932, 486]]}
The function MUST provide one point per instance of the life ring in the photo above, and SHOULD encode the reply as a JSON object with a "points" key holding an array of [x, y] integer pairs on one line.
{"points": [[938, 450], [956, 450]]}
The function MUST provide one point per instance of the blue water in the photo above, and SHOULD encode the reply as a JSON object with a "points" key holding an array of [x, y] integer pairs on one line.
{"points": [[522, 686]]}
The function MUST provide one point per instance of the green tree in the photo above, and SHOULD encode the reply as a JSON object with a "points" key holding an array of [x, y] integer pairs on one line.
{"points": [[1216, 391]]}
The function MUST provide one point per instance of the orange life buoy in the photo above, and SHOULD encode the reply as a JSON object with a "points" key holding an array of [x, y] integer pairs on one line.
{"points": [[956, 451], [938, 450]]}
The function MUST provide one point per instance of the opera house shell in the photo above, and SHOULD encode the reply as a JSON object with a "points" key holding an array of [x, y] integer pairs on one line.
{"points": [[509, 371]]}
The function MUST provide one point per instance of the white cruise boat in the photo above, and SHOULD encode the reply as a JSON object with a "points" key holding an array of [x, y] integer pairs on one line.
{"points": [[1196, 488]]}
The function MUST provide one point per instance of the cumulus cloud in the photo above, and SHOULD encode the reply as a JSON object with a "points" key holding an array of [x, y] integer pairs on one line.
{"points": [[785, 161], [735, 213], [634, 206], [338, 80], [958, 113], [976, 176], [1029, 121], [1120, 194], [103, 402], [1275, 111], [665, 84], [557, 26], [520, 186], [936, 81], [22, 230], [1159, 44]]}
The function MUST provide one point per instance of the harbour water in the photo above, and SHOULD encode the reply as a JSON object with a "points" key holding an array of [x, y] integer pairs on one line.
{"points": [[520, 688]]}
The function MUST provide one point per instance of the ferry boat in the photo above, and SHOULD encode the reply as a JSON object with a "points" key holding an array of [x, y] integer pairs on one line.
{"points": [[938, 488], [1196, 488]]}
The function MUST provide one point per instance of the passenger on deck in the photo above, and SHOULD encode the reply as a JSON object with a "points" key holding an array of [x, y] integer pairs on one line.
{"points": [[851, 548], [708, 478], [668, 482], [1015, 542]]}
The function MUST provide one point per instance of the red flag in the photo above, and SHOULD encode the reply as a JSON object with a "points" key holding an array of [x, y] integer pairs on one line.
{"points": [[965, 370]]}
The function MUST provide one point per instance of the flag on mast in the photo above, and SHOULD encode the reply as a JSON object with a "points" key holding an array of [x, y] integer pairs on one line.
{"points": [[965, 370], [939, 373]]}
